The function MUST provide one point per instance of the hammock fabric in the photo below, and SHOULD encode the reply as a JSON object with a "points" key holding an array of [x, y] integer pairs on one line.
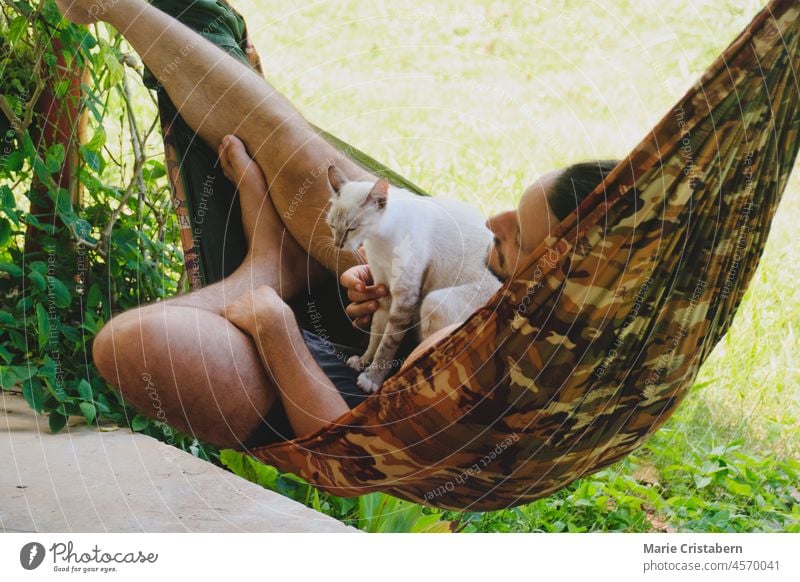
{"points": [[598, 338]]}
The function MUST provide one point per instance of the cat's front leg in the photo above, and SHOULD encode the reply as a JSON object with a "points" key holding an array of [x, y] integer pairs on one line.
{"points": [[400, 318], [376, 331]]}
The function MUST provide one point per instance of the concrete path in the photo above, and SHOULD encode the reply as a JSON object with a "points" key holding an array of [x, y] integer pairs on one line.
{"points": [[85, 480]]}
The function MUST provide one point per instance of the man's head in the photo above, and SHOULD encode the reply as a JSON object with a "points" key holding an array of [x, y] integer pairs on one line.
{"points": [[543, 205]]}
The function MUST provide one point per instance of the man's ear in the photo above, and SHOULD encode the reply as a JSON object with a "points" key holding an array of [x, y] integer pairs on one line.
{"points": [[336, 179], [379, 193]]}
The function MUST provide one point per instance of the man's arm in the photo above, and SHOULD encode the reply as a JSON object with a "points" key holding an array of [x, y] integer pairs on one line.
{"points": [[309, 397], [214, 92]]}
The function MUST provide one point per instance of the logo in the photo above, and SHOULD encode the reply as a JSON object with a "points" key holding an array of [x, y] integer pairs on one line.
{"points": [[31, 555]]}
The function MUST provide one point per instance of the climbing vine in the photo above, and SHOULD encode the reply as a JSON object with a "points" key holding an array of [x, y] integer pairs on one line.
{"points": [[86, 223]]}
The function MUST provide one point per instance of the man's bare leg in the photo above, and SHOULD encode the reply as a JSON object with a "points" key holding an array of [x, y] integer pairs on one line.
{"points": [[218, 95], [181, 361]]}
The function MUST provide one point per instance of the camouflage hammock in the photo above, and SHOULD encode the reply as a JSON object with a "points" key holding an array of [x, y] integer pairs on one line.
{"points": [[596, 341]]}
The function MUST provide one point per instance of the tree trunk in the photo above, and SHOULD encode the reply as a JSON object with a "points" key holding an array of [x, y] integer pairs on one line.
{"points": [[57, 121]]}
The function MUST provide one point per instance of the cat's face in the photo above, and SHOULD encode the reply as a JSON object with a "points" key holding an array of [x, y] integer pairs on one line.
{"points": [[356, 209]]}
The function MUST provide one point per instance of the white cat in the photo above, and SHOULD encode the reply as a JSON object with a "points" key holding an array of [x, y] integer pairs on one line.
{"points": [[429, 252]]}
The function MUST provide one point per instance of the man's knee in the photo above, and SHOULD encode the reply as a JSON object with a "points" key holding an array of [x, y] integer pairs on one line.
{"points": [[118, 342]]}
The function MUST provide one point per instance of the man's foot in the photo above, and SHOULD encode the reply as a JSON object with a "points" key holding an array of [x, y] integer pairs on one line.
{"points": [[260, 309], [263, 228], [239, 167]]}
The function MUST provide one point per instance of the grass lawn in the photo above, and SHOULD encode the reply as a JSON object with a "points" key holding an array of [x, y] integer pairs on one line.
{"points": [[476, 99]]}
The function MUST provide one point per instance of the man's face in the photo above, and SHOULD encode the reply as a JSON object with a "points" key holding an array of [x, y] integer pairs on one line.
{"points": [[518, 232]]}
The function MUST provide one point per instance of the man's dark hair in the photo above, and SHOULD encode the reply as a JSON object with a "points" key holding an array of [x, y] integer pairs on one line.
{"points": [[575, 183]]}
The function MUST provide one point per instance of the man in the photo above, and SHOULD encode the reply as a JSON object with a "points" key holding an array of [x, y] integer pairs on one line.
{"points": [[223, 360]]}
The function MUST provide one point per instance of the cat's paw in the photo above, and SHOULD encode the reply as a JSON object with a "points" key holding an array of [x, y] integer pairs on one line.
{"points": [[355, 362], [367, 384]]}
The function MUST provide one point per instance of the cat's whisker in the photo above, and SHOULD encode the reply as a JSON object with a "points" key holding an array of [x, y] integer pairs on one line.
{"points": [[330, 245]]}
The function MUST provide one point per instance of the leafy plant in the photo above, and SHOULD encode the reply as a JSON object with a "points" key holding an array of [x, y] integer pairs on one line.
{"points": [[375, 512], [72, 254]]}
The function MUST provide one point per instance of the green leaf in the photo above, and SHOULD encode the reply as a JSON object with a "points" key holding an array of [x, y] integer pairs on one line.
{"points": [[72, 334], [114, 68], [38, 280], [97, 142], [91, 101], [6, 318], [432, 524], [14, 161], [24, 372], [5, 231], [33, 393], [11, 269], [49, 372], [739, 488], [88, 411], [83, 229], [101, 403], [94, 296], [52, 14], [153, 170], [94, 160], [64, 205], [60, 293], [18, 341], [402, 518], [25, 304], [43, 324], [7, 378], [38, 266], [721, 518], [7, 198], [291, 486], [49, 58], [57, 421], [139, 423], [369, 511], [87, 41], [16, 28], [31, 220], [250, 469], [41, 171], [61, 88], [233, 460], [85, 390]]}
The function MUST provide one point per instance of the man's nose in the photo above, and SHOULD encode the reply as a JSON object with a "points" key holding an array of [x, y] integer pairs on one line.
{"points": [[495, 223]]}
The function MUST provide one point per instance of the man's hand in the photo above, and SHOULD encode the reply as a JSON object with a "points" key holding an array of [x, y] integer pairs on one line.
{"points": [[363, 294], [85, 11]]}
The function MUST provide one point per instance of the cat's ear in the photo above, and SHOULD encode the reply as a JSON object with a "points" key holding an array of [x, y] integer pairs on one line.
{"points": [[336, 179], [379, 193]]}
